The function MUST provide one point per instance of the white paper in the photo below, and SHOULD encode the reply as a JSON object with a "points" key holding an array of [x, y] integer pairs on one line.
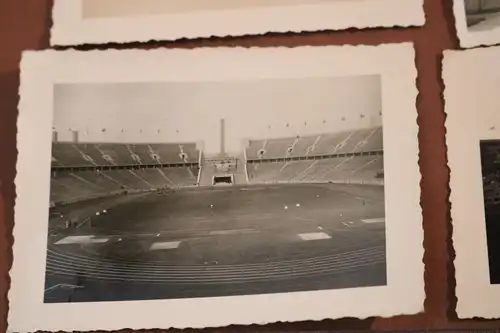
{"points": [[105, 21], [471, 96], [41, 71]]}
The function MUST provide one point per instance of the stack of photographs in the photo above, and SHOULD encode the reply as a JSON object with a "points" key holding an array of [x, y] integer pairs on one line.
{"points": [[216, 186]]}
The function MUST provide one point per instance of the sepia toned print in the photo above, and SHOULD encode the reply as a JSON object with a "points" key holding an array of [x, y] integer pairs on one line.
{"points": [[213, 189]]}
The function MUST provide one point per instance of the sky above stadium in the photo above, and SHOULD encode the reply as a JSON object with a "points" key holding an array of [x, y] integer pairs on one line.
{"points": [[191, 111]]}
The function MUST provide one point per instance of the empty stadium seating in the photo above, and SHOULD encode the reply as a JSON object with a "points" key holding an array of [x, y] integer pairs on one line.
{"points": [[85, 154], [81, 185], [362, 168], [363, 140], [70, 184], [143, 167]]}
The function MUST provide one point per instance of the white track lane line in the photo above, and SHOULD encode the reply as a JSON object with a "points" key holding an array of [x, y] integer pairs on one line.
{"points": [[164, 245], [314, 236], [89, 239], [376, 220]]}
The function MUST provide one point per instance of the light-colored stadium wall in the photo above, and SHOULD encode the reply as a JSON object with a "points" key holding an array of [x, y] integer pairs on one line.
{"points": [[192, 112]]}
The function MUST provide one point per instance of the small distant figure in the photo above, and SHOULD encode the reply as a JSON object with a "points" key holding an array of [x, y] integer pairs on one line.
{"points": [[286, 207], [67, 224], [211, 206]]}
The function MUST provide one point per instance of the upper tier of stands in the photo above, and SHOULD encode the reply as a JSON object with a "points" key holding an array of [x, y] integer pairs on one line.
{"points": [[366, 168], [86, 154], [71, 185], [363, 140]]}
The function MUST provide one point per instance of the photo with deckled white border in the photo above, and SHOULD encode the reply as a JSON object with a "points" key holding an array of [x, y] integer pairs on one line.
{"points": [[40, 71], [71, 27], [471, 80]]}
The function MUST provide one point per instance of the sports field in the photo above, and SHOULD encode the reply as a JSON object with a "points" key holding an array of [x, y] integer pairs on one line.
{"points": [[217, 242]]}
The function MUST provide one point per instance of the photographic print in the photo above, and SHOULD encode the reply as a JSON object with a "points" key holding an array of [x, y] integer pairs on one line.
{"points": [[215, 189], [490, 167], [183, 188], [477, 22], [105, 21], [473, 141]]}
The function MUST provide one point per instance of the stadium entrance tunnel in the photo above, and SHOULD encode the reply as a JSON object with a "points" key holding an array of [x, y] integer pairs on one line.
{"points": [[223, 180]]}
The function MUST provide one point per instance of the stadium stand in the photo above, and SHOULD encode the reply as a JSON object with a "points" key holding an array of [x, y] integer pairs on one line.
{"points": [[177, 153], [302, 146], [354, 156], [84, 171], [66, 154], [84, 154], [317, 145]]}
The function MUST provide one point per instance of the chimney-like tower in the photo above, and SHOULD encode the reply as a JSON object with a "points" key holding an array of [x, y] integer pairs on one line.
{"points": [[223, 136], [75, 136]]}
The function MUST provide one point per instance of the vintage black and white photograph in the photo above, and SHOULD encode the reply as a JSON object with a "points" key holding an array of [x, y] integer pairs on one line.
{"points": [[104, 21], [482, 14], [173, 190], [472, 125], [490, 166], [214, 180], [482, 22]]}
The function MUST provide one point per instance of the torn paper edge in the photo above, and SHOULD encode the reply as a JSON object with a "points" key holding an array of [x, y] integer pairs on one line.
{"points": [[404, 292], [470, 118], [70, 28]]}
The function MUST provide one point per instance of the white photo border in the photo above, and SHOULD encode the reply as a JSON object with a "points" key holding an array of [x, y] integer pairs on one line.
{"points": [[404, 293], [470, 118], [69, 27], [470, 39]]}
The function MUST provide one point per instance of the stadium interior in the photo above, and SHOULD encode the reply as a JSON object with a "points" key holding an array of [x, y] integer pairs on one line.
{"points": [[95, 185], [81, 171], [258, 201]]}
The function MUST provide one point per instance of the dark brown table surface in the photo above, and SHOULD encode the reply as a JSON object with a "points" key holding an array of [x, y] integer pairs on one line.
{"points": [[25, 25]]}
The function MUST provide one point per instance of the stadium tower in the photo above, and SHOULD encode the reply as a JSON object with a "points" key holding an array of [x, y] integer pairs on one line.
{"points": [[223, 168]]}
